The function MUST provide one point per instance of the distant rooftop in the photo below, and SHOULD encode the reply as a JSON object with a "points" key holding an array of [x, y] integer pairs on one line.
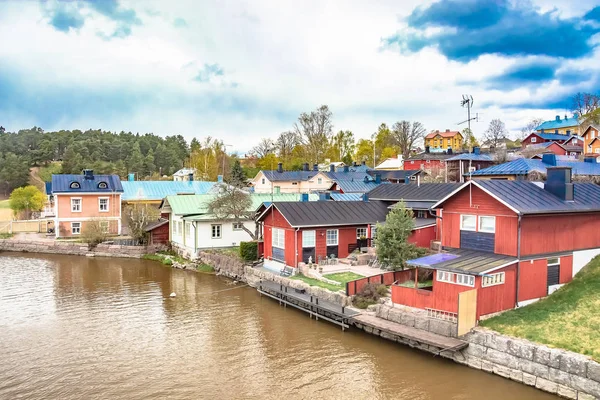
{"points": [[158, 190], [523, 166], [559, 123]]}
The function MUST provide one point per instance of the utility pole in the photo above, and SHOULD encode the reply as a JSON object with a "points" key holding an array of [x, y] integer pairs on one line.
{"points": [[225, 146]]}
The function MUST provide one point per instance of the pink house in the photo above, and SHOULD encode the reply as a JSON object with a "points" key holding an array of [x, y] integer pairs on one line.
{"points": [[81, 199]]}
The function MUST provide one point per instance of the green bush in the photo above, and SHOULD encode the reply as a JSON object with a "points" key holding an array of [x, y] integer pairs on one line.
{"points": [[369, 294], [249, 251]]}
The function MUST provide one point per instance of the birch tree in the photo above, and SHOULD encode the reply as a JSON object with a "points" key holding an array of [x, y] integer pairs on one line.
{"points": [[315, 130]]}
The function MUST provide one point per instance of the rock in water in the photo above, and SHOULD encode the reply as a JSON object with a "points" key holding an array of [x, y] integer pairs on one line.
{"points": [[172, 295]]}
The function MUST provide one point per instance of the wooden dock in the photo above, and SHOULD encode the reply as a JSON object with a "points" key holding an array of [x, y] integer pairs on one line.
{"points": [[444, 343], [315, 307]]}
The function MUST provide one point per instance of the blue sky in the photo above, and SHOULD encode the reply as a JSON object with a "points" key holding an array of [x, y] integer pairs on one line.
{"points": [[243, 70]]}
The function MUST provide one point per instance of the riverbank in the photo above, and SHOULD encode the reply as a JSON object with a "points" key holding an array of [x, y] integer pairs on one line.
{"points": [[51, 246]]}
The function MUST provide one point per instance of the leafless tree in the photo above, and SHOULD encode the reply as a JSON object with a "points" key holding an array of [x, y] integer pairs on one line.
{"points": [[234, 204], [495, 133], [585, 103], [315, 131], [406, 134], [285, 144], [530, 127], [264, 147]]}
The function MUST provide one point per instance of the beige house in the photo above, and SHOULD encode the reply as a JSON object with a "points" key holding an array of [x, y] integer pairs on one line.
{"points": [[280, 181]]}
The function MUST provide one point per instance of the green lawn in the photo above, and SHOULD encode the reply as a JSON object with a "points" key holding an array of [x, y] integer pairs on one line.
{"points": [[341, 277], [567, 319], [4, 204], [411, 284]]}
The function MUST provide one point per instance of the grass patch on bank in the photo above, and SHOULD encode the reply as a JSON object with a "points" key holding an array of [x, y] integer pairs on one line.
{"points": [[4, 204], [341, 277], [6, 235], [567, 319], [207, 269], [157, 257]]}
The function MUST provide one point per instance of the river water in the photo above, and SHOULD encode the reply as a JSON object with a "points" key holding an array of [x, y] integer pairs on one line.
{"points": [[97, 328]]}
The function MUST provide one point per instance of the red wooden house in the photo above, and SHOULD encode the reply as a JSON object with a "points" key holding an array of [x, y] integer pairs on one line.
{"points": [[427, 161], [295, 232], [513, 241]]}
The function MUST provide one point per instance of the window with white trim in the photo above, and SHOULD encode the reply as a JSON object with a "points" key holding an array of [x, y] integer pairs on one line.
{"points": [[103, 204], [320, 181], [444, 276], [553, 262], [238, 226], [421, 214], [332, 237], [493, 279], [75, 204], [468, 222], [76, 228], [278, 238], [188, 229], [487, 224], [263, 181], [533, 139], [215, 231], [361, 232], [104, 226], [465, 280], [309, 238], [180, 227]]}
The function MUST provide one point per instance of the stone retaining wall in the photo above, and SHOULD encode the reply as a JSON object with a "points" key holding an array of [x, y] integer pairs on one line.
{"points": [[225, 265], [78, 249], [567, 374], [254, 276]]}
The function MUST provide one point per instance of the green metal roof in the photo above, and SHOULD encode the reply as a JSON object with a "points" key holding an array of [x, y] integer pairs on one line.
{"points": [[196, 206]]}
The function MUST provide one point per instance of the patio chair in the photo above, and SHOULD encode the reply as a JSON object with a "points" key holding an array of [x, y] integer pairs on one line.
{"points": [[372, 261], [322, 261], [333, 260]]}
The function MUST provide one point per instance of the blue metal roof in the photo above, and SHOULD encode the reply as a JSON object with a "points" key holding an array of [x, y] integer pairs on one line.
{"points": [[471, 157], [352, 168], [558, 123], [335, 196], [553, 136], [358, 186], [347, 176], [158, 190], [524, 166], [62, 183], [275, 176]]}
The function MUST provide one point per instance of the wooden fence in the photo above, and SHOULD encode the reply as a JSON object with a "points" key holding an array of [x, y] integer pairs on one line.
{"points": [[34, 225], [386, 278]]}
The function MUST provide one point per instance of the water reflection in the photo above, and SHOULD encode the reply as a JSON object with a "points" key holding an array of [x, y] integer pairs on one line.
{"points": [[74, 327]]}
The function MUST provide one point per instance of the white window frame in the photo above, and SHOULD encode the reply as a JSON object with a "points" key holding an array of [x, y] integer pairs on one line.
{"points": [[319, 181], [421, 214], [180, 227], [337, 237], [465, 280], [359, 232], [100, 204], [493, 279], [237, 226], [309, 239], [263, 181], [216, 231], [188, 229], [104, 226], [557, 262], [462, 227], [479, 224], [80, 204], [533, 139], [278, 238], [73, 228], [444, 276]]}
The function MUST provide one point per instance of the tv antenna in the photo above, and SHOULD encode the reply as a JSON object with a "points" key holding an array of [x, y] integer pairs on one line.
{"points": [[467, 101]]}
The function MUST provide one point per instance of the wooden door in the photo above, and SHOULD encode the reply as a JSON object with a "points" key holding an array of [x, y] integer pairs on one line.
{"points": [[467, 311]]}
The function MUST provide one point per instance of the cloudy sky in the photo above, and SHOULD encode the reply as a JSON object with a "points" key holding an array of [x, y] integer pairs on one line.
{"points": [[245, 70]]}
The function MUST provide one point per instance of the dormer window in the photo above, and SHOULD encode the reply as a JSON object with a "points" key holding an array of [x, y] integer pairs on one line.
{"points": [[75, 185], [102, 185]]}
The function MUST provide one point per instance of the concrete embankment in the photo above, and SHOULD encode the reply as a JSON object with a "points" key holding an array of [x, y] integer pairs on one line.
{"points": [[72, 248]]}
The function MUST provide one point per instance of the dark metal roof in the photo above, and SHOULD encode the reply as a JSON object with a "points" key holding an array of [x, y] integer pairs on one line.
{"points": [[358, 186], [472, 157], [528, 198], [395, 175], [412, 192], [347, 176], [422, 222], [61, 183], [335, 196], [275, 176], [523, 166], [332, 213], [430, 156], [462, 261], [156, 224]]}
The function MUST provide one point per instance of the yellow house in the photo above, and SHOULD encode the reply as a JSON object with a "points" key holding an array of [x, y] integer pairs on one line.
{"points": [[591, 140], [442, 141], [565, 126]]}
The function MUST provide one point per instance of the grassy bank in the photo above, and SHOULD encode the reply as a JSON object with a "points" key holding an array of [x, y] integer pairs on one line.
{"points": [[341, 277], [167, 258], [567, 319]]}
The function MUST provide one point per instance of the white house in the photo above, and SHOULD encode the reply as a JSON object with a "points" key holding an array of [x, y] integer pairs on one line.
{"points": [[185, 174], [280, 181]]}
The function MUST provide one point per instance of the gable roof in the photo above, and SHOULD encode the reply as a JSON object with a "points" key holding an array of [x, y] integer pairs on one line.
{"points": [[400, 174], [558, 123], [156, 224], [472, 157], [430, 192], [185, 172], [347, 176], [429, 156], [594, 126], [523, 166], [61, 184], [549, 136], [394, 162], [446, 134], [358, 186], [573, 137], [526, 197], [158, 190], [471, 262], [330, 213], [275, 176]]}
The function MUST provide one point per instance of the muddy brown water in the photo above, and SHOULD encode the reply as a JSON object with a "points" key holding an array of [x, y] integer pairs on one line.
{"points": [[91, 328]]}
